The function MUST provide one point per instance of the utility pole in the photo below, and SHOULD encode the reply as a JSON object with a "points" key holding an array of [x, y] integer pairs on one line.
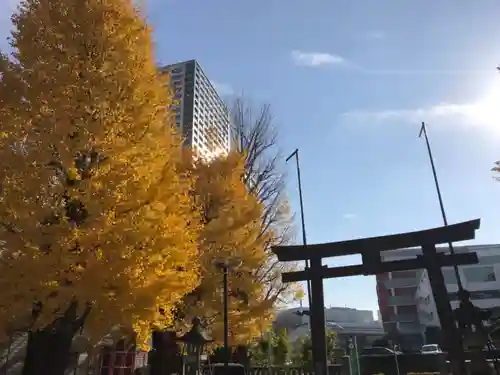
{"points": [[456, 349], [314, 288], [423, 131], [302, 219]]}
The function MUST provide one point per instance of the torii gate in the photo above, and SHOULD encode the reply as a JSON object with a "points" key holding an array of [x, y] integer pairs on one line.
{"points": [[370, 249]]}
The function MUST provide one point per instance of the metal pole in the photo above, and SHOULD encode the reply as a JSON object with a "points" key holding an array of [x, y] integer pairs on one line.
{"points": [[453, 338], [315, 292], [226, 319], [394, 348], [351, 361], [357, 355], [354, 356], [303, 222], [269, 352], [423, 130]]}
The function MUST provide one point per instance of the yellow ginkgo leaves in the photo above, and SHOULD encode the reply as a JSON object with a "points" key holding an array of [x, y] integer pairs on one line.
{"points": [[92, 204]]}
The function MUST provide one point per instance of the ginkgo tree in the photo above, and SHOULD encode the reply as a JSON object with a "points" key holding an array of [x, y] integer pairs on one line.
{"points": [[95, 214], [230, 234]]}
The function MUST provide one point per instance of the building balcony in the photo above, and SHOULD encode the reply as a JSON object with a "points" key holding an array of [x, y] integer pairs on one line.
{"points": [[407, 318], [409, 328], [401, 301], [403, 318], [401, 283]]}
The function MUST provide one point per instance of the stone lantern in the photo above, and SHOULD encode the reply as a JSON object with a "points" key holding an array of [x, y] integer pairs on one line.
{"points": [[194, 342]]}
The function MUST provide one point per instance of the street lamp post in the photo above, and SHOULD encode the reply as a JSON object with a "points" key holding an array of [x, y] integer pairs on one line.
{"points": [[225, 266], [226, 317]]}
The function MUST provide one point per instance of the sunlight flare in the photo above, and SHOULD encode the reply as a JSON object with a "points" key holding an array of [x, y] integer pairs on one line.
{"points": [[486, 111]]}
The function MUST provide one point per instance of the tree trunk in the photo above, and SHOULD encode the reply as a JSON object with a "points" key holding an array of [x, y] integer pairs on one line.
{"points": [[48, 352], [165, 358], [49, 349], [35, 351]]}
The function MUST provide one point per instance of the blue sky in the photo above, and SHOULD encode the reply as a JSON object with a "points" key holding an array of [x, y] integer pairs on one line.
{"points": [[350, 82]]}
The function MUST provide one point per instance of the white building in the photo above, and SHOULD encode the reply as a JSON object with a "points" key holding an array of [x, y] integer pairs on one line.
{"points": [[405, 298], [345, 321], [200, 113], [426, 305], [396, 296], [482, 280]]}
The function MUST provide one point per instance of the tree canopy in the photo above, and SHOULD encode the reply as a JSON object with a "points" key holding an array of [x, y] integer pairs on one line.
{"points": [[230, 234], [303, 354], [93, 204], [274, 348]]}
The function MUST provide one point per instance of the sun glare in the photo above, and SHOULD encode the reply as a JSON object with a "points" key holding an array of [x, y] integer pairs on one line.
{"points": [[486, 111]]}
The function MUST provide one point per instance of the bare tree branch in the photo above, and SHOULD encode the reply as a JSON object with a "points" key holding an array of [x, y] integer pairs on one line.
{"points": [[256, 137]]}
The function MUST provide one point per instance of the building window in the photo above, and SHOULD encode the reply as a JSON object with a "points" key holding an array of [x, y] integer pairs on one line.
{"points": [[479, 274], [493, 259], [408, 310]]}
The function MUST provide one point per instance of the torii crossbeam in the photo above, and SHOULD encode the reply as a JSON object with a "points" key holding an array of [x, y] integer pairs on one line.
{"points": [[370, 249]]}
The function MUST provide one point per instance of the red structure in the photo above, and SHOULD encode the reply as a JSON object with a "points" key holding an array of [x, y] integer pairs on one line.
{"points": [[118, 360]]}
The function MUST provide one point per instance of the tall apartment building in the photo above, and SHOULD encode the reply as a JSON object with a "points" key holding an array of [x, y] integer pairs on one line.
{"points": [[200, 113], [396, 296], [405, 297]]}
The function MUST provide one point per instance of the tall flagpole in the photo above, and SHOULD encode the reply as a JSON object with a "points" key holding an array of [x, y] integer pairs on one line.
{"points": [[303, 222], [423, 131], [461, 292], [314, 285]]}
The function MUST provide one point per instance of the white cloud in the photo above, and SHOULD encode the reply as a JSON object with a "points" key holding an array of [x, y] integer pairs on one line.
{"points": [[319, 59], [484, 112], [315, 59], [423, 72], [444, 110], [222, 89], [375, 34], [349, 216]]}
